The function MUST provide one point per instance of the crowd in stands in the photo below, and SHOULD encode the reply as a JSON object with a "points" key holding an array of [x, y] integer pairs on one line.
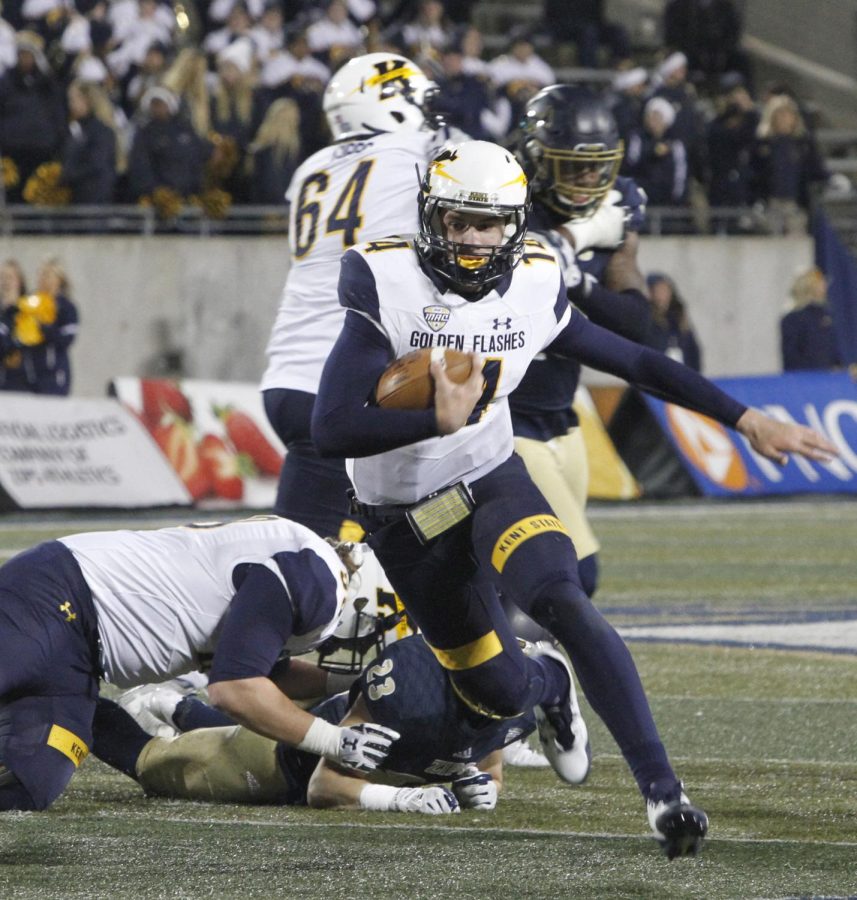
{"points": [[215, 102]]}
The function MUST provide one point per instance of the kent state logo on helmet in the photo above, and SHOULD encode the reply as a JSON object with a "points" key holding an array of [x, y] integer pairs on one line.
{"points": [[569, 147], [474, 177], [377, 93]]}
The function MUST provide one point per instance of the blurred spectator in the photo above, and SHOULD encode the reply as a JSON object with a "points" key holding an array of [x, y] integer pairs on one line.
{"points": [[520, 73], [144, 23], [670, 330], [730, 137], [8, 48], [89, 155], [220, 10], [232, 108], [807, 336], [630, 87], [238, 25], [708, 32], [671, 83], [147, 74], [426, 32], [275, 153], [295, 62], [584, 23], [166, 152], [13, 284], [268, 34], [32, 113], [36, 332], [785, 165], [334, 36], [297, 74], [187, 79], [472, 46], [465, 101], [656, 160]]}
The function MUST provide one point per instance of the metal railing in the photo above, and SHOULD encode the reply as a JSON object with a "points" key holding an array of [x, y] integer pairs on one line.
{"points": [[272, 220], [20, 219]]}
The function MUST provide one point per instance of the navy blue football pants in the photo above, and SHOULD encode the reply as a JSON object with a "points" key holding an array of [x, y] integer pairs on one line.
{"points": [[514, 544], [48, 675], [311, 490]]}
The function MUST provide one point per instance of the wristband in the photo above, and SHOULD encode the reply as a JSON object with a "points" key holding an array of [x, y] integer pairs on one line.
{"points": [[379, 797], [322, 738]]}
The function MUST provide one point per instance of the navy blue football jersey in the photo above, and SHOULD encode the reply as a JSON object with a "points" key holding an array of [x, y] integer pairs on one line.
{"points": [[407, 689]]}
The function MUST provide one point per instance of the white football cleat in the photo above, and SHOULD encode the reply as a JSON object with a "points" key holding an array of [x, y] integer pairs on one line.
{"points": [[677, 826], [152, 707], [562, 731], [520, 753]]}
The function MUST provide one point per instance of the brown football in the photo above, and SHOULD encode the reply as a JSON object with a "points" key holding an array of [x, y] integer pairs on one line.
{"points": [[407, 383]]}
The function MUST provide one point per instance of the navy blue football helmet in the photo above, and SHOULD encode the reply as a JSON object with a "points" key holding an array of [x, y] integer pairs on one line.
{"points": [[569, 147]]}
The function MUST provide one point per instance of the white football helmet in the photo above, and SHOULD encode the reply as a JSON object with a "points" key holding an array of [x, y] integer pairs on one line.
{"points": [[375, 93], [372, 617], [473, 177]]}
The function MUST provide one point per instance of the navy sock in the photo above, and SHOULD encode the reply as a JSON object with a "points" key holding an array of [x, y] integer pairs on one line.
{"points": [[192, 713], [117, 738], [609, 679], [551, 683]]}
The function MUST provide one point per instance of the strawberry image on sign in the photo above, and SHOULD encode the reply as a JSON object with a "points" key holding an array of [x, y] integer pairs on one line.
{"points": [[248, 438], [161, 397], [226, 469], [176, 439]]}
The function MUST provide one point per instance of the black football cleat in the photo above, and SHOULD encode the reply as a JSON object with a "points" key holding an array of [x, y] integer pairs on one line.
{"points": [[678, 826]]}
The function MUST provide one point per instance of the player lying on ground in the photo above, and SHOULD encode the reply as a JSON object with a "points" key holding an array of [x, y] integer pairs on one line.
{"points": [[405, 689], [141, 606]]}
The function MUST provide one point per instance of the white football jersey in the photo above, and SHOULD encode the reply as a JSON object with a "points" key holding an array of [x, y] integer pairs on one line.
{"points": [[161, 595], [344, 194], [508, 328]]}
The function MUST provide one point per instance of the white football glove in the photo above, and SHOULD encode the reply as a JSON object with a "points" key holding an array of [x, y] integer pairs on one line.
{"points": [[475, 790], [604, 228], [365, 746], [432, 801]]}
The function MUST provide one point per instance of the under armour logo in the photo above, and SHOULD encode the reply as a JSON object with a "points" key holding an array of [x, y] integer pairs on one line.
{"points": [[349, 744], [66, 608], [506, 323]]}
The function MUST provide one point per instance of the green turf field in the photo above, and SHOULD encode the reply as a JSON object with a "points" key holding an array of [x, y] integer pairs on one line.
{"points": [[765, 739]]}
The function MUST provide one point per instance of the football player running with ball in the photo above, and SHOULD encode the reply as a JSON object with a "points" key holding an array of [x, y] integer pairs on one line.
{"points": [[453, 516], [359, 188]]}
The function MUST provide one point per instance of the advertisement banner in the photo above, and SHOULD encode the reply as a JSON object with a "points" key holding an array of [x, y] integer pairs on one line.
{"points": [[58, 452], [214, 434], [722, 463], [609, 478]]}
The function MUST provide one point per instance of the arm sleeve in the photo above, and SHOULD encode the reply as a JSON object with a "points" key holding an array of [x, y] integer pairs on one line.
{"points": [[626, 313], [647, 369], [344, 421], [255, 629]]}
